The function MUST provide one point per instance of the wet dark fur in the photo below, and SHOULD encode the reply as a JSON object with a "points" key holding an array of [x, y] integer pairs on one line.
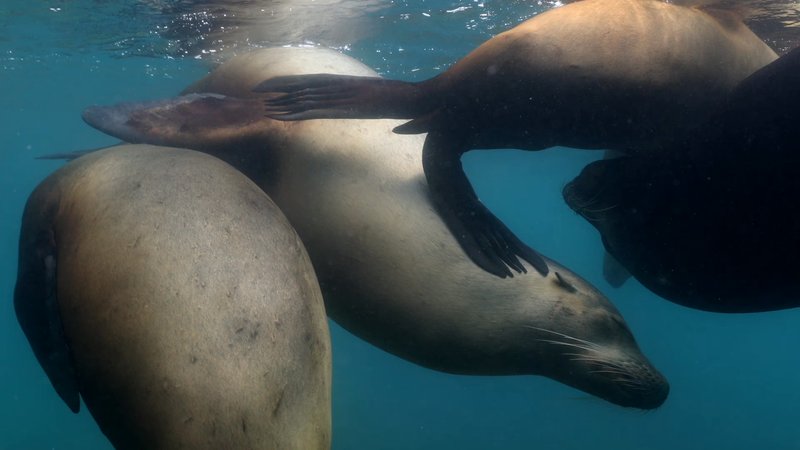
{"points": [[711, 224]]}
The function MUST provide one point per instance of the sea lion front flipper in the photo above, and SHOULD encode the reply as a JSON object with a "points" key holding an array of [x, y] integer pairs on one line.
{"points": [[418, 125], [482, 236], [36, 306], [328, 96], [615, 273], [198, 121]]}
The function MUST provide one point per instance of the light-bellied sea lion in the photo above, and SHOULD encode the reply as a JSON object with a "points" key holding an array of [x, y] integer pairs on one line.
{"points": [[167, 290], [390, 271], [601, 74], [707, 225]]}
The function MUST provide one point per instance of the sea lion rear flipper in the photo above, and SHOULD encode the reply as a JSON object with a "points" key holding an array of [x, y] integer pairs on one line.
{"points": [[36, 306], [199, 121], [327, 96], [482, 236]]}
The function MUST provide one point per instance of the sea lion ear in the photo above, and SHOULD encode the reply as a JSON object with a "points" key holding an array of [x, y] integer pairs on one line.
{"points": [[566, 285], [197, 121]]}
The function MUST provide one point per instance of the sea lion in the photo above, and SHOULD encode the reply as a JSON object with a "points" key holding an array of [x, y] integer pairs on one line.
{"points": [[167, 290], [707, 224], [595, 74], [390, 271]]}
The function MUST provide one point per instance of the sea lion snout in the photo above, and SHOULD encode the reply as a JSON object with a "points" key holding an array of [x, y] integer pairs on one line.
{"points": [[638, 384], [595, 352], [623, 377]]}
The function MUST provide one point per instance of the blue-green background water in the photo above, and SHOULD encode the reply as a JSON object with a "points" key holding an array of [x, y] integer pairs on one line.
{"points": [[734, 378]]}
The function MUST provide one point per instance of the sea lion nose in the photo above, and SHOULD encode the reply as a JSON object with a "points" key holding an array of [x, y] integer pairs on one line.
{"points": [[658, 395], [650, 392]]}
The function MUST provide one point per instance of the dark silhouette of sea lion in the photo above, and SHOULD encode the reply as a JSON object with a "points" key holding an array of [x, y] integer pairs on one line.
{"points": [[710, 223]]}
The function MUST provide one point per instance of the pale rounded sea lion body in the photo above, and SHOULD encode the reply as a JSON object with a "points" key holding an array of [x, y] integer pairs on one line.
{"points": [[170, 293], [596, 74], [390, 271]]}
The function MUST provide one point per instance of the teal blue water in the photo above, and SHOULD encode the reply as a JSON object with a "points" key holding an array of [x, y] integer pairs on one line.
{"points": [[734, 378]]}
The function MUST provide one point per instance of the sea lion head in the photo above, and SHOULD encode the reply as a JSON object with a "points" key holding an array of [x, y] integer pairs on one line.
{"points": [[586, 344]]}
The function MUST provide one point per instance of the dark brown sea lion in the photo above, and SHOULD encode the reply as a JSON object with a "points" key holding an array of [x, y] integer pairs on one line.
{"points": [[711, 224], [602, 74], [167, 290], [390, 271]]}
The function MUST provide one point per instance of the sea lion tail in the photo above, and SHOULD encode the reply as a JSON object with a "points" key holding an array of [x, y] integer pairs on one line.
{"points": [[327, 96]]}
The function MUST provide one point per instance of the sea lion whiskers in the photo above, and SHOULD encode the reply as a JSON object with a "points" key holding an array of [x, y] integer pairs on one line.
{"points": [[623, 376], [600, 353], [620, 372], [587, 213], [589, 345], [550, 341], [580, 357], [605, 366], [603, 360], [608, 366], [583, 207]]}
